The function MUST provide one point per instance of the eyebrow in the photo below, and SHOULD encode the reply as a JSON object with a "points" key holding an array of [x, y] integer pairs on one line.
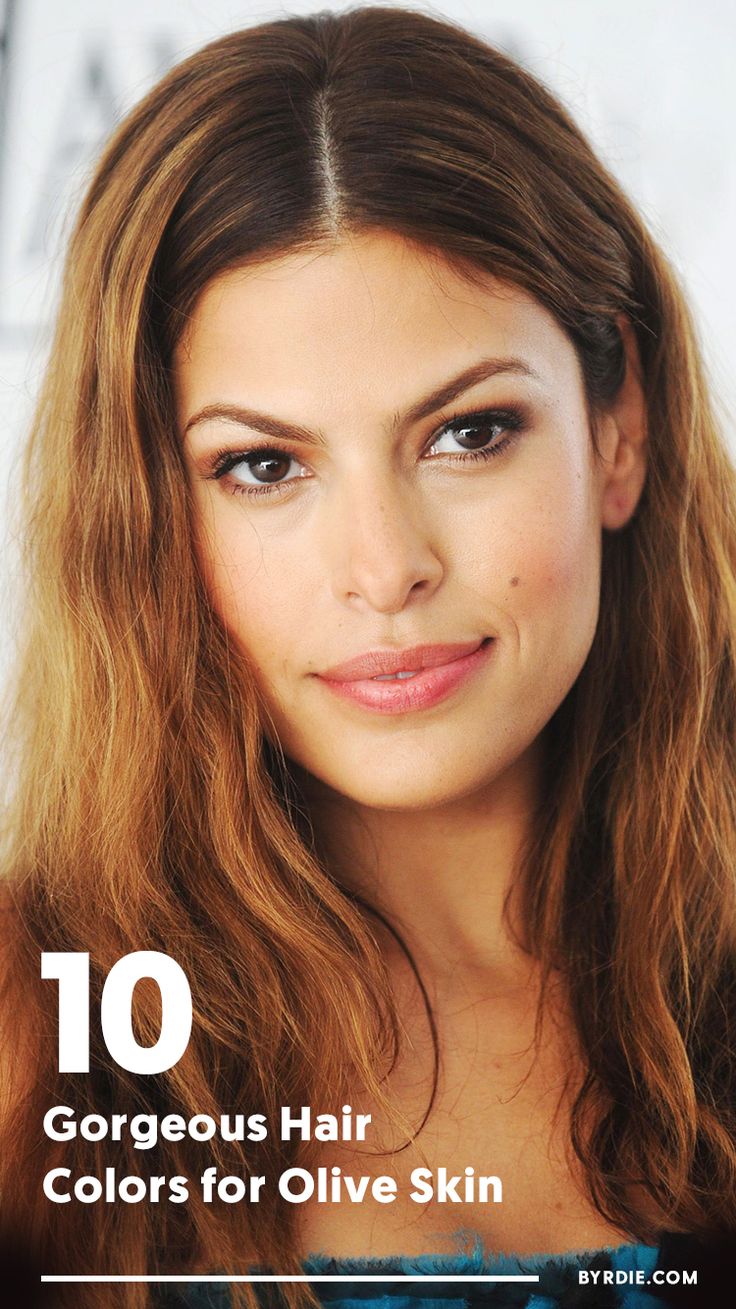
{"points": [[442, 395]]}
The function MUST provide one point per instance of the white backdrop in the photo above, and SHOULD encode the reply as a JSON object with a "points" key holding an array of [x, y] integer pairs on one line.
{"points": [[651, 81]]}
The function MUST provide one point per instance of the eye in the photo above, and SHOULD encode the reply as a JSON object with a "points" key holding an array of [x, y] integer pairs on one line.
{"points": [[257, 471], [478, 433]]}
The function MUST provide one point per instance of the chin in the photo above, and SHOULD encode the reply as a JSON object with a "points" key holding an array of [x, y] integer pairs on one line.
{"points": [[403, 791]]}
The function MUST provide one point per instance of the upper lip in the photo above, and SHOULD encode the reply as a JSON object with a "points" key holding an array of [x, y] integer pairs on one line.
{"points": [[377, 662]]}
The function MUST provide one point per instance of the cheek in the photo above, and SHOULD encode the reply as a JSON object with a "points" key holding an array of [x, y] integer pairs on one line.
{"points": [[259, 596], [543, 565]]}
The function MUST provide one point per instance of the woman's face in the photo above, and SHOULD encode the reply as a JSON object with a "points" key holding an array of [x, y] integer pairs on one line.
{"points": [[393, 472]]}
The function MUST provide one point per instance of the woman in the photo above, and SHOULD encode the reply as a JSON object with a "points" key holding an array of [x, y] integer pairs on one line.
{"points": [[380, 671]]}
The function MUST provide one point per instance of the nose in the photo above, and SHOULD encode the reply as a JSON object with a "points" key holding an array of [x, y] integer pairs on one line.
{"points": [[383, 556]]}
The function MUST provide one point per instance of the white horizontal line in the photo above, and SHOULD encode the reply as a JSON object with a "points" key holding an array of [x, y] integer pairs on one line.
{"points": [[273, 1277]]}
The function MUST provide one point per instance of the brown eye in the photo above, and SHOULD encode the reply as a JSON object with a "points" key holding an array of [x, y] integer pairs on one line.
{"points": [[471, 436], [264, 467], [268, 465], [477, 432]]}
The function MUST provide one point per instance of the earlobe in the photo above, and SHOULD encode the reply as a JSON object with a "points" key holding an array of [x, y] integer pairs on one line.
{"points": [[624, 468]]}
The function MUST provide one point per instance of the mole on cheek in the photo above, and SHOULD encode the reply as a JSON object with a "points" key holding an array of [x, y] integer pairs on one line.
{"points": [[514, 581]]}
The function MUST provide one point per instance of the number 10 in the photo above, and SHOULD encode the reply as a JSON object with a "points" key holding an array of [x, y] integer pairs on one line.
{"points": [[71, 970]]}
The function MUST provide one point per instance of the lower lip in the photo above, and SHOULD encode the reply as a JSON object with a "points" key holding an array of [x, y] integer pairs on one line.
{"points": [[405, 694]]}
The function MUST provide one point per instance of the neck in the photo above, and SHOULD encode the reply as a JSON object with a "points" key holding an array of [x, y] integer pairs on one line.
{"points": [[441, 875]]}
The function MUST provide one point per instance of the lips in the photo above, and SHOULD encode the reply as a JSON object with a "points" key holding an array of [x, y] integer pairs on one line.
{"points": [[432, 673], [385, 663]]}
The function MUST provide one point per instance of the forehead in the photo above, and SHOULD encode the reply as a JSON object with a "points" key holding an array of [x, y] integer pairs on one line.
{"points": [[373, 310]]}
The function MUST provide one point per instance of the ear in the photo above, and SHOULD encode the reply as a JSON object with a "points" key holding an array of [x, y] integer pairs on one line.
{"points": [[622, 440]]}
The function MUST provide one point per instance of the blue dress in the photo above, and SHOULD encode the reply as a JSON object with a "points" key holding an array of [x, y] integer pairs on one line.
{"points": [[613, 1278]]}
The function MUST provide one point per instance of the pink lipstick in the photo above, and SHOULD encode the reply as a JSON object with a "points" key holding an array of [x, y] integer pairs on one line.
{"points": [[399, 681]]}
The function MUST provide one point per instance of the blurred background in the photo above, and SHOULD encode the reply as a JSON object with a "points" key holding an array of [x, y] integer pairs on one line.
{"points": [[652, 82]]}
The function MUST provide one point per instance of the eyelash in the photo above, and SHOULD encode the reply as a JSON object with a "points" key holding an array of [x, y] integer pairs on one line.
{"points": [[513, 420]]}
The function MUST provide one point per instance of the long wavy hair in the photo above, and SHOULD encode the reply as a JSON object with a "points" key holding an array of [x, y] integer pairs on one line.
{"points": [[148, 810]]}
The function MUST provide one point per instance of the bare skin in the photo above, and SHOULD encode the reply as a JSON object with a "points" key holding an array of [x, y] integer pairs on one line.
{"points": [[384, 535], [501, 1105]]}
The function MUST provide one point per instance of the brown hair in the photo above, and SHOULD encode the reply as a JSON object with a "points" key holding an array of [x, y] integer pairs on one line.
{"points": [[150, 814]]}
